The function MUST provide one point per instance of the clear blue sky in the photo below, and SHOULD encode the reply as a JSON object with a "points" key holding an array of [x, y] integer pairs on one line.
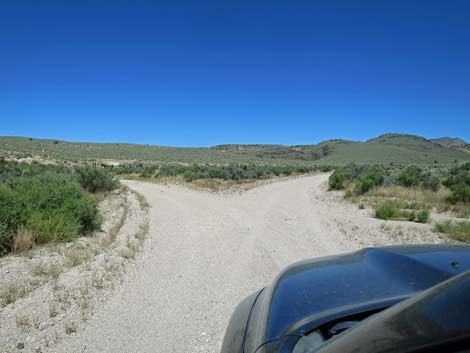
{"points": [[197, 73]]}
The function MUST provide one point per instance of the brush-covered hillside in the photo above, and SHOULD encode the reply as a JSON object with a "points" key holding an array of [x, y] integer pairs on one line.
{"points": [[453, 142], [385, 149]]}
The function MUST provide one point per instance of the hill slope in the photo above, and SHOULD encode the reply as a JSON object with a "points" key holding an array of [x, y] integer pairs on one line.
{"points": [[450, 142], [456, 143], [385, 149]]}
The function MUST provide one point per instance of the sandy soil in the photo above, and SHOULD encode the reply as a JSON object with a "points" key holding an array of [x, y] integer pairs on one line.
{"points": [[206, 251]]}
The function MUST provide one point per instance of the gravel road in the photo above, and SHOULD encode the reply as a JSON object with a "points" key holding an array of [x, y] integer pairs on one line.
{"points": [[206, 251]]}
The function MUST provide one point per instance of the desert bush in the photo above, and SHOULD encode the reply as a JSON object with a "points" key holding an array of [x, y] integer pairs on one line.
{"points": [[422, 216], [53, 226], [337, 180], [459, 175], [410, 176], [233, 172], [53, 207], [96, 179], [459, 182], [363, 184], [366, 182], [464, 213], [411, 216], [23, 239], [456, 230], [148, 171], [430, 182], [387, 210], [460, 193], [6, 239]]}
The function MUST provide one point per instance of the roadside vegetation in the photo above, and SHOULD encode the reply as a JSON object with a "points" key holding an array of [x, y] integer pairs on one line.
{"points": [[42, 204], [457, 230], [194, 172], [410, 193]]}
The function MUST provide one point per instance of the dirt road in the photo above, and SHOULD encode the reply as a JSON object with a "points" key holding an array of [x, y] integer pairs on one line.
{"points": [[207, 251]]}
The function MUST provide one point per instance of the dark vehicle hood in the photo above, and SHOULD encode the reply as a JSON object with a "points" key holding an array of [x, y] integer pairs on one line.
{"points": [[306, 293], [435, 320]]}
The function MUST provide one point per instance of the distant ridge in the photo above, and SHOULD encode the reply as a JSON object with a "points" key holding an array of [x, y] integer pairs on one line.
{"points": [[390, 148], [395, 136], [450, 142]]}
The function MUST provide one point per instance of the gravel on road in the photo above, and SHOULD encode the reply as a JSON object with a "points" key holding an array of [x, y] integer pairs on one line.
{"points": [[207, 251]]}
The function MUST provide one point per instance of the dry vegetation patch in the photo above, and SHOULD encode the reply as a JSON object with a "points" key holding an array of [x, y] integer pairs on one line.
{"points": [[408, 198]]}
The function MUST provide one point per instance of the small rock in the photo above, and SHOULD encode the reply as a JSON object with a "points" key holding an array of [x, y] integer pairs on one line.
{"points": [[42, 326], [20, 345]]}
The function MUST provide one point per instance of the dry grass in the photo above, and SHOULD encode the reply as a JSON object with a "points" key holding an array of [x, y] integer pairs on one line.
{"points": [[133, 245], [47, 270], [143, 231], [114, 231], [70, 327], [127, 253], [456, 230], [64, 297], [98, 280], [464, 212], [407, 198], [77, 255], [22, 322], [53, 310], [23, 239], [142, 201], [11, 293]]}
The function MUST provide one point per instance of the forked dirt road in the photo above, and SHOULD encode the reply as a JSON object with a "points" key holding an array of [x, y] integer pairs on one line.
{"points": [[206, 251]]}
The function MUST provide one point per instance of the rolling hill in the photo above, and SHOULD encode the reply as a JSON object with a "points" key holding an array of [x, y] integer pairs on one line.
{"points": [[456, 143], [384, 149], [450, 142]]}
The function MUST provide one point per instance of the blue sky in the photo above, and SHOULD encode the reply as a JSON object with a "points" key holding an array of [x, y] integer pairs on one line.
{"points": [[198, 73]]}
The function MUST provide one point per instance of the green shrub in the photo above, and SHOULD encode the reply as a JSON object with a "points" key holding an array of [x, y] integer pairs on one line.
{"points": [[459, 182], [52, 206], [387, 210], [460, 193], [410, 176], [422, 216], [147, 171], [370, 180], [53, 227], [430, 182], [337, 179], [456, 230], [6, 239], [465, 213], [459, 175], [363, 184], [440, 228], [412, 216], [96, 179]]}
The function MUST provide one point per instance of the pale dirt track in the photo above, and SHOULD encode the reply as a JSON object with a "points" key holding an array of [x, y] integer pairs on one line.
{"points": [[207, 251]]}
